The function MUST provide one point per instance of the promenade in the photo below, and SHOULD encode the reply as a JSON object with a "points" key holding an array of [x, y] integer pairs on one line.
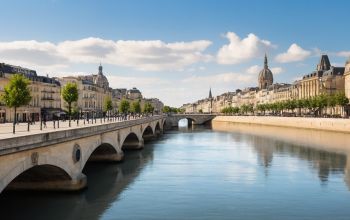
{"points": [[325, 124], [51, 126]]}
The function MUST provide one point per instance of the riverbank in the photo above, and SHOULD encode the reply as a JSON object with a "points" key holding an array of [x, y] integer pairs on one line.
{"points": [[324, 124], [300, 131]]}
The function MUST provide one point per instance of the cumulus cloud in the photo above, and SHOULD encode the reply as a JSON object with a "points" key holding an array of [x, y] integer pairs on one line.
{"points": [[294, 53], [277, 70], [256, 69], [343, 54], [218, 79], [240, 50], [141, 55], [31, 53]]}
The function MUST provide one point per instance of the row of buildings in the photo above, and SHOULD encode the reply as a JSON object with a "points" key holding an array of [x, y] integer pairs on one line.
{"points": [[325, 79], [47, 101]]}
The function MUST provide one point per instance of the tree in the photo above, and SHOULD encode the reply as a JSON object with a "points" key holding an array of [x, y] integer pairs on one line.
{"points": [[70, 94], [166, 109], [148, 108], [107, 105], [124, 106], [135, 107], [16, 94], [341, 100]]}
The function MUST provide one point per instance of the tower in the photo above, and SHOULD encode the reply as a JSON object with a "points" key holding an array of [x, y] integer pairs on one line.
{"points": [[211, 101], [265, 76]]}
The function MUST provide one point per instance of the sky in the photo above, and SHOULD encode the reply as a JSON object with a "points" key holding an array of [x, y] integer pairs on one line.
{"points": [[175, 50]]}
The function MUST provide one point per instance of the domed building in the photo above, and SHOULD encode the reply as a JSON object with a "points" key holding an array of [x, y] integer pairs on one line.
{"points": [[100, 79], [265, 76]]}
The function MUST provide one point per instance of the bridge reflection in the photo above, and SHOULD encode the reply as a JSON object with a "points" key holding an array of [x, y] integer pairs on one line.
{"points": [[106, 183]]}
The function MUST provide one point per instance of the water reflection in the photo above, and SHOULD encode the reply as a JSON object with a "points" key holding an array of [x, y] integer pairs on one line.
{"points": [[105, 183], [199, 173], [268, 141]]}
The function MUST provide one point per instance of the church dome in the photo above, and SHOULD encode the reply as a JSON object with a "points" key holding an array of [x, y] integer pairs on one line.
{"points": [[101, 80], [265, 76]]}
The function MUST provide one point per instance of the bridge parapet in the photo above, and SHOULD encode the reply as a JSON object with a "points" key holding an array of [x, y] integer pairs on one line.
{"points": [[14, 144]]}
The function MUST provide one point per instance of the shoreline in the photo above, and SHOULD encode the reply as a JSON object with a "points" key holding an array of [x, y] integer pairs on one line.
{"points": [[321, 124], [330, 140]]}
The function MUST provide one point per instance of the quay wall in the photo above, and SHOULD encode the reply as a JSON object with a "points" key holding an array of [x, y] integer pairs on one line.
{"points": [[325, 124]]}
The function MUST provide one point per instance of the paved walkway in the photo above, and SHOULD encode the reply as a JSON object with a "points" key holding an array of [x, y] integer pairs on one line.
{"points": [[22, 128]]}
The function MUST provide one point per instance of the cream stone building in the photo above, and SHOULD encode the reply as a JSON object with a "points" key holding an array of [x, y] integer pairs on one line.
{"points": [[347, 82], [326, 79], [93, 91], [45, 92]]}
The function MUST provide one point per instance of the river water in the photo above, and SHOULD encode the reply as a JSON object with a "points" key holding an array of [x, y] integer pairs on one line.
{"points": [[202, 173]]}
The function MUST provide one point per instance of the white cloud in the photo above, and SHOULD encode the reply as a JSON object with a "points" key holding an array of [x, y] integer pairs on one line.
{"points": [[294, 53], [343, 54], [277, 70], [141, 55], [256, 69], [219, 79], [240, 50]]}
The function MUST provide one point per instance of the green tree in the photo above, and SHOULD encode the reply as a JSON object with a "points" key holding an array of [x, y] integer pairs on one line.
{"points": [[341, 100], [148, 108], [108, 106], [70, 94], [200, 111], [135, 107], [124, 106], [16, 94], [166, 109]]}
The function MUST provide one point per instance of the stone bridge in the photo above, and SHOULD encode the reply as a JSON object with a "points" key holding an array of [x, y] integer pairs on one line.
{"points": [[193, 119], [55, 160]]}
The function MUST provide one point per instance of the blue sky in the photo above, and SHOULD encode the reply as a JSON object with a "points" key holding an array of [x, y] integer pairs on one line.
{"points": [[174, 50]]}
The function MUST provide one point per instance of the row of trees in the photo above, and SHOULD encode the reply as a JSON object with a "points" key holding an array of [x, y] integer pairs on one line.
{"points": [[168, 109], [17, 94], [314, 105], [135, 107]]}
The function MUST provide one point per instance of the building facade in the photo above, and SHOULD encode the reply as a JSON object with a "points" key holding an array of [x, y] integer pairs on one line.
{"points": [[93, 91], [45, 92], [326, 79]]}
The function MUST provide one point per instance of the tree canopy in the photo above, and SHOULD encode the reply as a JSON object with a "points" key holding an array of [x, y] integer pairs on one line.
{"points": [[16, 92], [135, 107], [124, 106], [107, 105], [148, 108]]}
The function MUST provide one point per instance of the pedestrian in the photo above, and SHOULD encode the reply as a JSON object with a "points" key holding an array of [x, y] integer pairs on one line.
{"points": [[44, 122]]}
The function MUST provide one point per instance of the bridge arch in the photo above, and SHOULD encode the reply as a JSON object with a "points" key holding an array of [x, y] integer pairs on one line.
{"points": [[105, 152], [45, 170], [148, 133], [132, 142]]}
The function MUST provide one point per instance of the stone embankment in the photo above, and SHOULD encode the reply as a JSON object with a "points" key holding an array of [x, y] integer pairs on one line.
{"points": [[325, 124]]}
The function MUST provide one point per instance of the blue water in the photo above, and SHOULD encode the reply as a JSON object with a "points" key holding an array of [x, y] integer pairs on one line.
{"points": [[202, 174]]}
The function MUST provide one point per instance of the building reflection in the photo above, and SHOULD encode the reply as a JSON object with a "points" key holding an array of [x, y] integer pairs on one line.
{"points": [[322, 162]]}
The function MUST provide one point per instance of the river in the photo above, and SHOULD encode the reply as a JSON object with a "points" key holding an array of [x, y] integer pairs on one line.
{"points": [[203, 173]]}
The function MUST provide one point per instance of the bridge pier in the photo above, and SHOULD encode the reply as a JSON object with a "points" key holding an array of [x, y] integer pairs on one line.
{"points": [[78, 183], [115, 157], [149, 137]]}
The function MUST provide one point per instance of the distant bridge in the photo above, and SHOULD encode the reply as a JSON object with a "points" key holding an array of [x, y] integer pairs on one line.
{"points": [[55, 160], [193, 119]]}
